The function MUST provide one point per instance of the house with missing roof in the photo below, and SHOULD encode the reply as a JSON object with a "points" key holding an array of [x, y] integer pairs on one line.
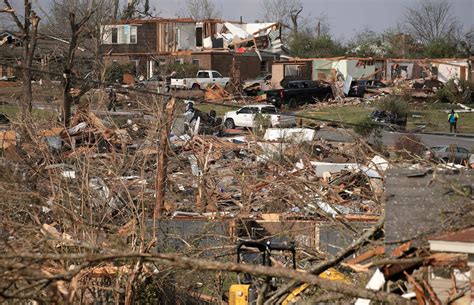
{"points": [[211, 44]]}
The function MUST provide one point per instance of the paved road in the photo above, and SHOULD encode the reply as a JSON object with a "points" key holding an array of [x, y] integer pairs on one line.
{"points": [[388, 138], [433, 140]]}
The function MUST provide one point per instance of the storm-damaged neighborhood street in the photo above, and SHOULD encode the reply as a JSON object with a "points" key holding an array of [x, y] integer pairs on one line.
{"points": [[208, 152]]}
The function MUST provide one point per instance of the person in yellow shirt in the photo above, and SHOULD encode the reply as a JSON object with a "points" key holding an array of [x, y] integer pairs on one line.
{"points": [[453, 121]]}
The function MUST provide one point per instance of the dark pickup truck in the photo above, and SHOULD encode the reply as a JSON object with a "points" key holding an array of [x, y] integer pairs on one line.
{"points": [[299, 92]]}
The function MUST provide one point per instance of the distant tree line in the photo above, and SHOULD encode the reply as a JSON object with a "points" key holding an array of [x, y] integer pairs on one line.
{"points": [[427, 29]]}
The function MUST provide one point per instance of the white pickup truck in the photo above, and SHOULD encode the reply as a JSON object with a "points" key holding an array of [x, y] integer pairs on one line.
{"points": [[245, 117], [203, 79]]}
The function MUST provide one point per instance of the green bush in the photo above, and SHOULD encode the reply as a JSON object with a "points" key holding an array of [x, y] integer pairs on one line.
{"points": [[116, 71], [394, 105], [441, 48], [454, 91]]}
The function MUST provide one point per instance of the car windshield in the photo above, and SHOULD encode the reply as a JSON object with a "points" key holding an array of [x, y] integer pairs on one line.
{"points": [[268, 110], [438, 148]]}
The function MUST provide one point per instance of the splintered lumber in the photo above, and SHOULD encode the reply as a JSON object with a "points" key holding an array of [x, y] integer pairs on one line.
{"points": [[216, 92], [7, 139], [220, 147], [380, 250]]}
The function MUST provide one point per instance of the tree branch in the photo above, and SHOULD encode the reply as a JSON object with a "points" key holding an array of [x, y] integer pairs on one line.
{"points": [[11, 11], [333, 261], [173, 260]]}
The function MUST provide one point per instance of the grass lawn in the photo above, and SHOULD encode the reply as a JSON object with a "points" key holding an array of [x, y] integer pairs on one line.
{"points": [[12, 111], [435, 120], [221, 110], [347, 114], [431, 116]]}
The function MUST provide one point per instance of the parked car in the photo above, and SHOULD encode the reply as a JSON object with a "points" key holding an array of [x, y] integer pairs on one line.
{"points": [[252, 86], [449, 153], [259, 80], [358, 87], [153, 82], [203, 79], [298, 92], [245, 117]]}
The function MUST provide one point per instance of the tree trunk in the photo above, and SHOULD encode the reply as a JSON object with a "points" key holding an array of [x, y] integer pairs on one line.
{"points": [[30, 20], [76, 29], [162, 162], [68, 66]]}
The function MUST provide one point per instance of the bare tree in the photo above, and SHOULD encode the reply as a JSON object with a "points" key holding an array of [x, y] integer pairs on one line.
{"points": [[431, 20], [294, 15], [76, 30], [84, 34], [29, 30], [286, 12], [201, 9]]}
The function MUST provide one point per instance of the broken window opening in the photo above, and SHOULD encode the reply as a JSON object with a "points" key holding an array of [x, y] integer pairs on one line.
{"points": [[114, 35], [293, 70], [198, 36], [264, 66], [196, 62], [133, 34]]}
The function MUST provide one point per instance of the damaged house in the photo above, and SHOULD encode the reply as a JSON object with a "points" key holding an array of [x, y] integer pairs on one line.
{"points": [[211, 44], [388, 69]]}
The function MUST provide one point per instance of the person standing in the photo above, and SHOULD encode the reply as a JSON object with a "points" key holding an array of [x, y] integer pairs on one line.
{"points": [[112, 105], [453, 121]]}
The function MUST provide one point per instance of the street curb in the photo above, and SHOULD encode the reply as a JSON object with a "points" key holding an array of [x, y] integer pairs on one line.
{"points": [[454, 135]]}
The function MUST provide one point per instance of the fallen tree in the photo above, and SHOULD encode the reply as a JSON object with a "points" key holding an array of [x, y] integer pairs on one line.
{"points": [[84, 260], [324, 265]]}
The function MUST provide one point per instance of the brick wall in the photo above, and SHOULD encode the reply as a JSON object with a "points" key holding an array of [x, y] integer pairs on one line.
{"points": [[249, 64]]}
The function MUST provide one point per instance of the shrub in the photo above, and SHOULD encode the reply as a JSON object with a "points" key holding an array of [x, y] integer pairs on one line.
{"points": [[116, 71], [454, 91], [409, 145], [394, 105]]}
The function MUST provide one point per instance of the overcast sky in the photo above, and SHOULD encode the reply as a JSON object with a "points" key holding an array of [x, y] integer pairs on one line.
{"points": [[345, 17]]}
